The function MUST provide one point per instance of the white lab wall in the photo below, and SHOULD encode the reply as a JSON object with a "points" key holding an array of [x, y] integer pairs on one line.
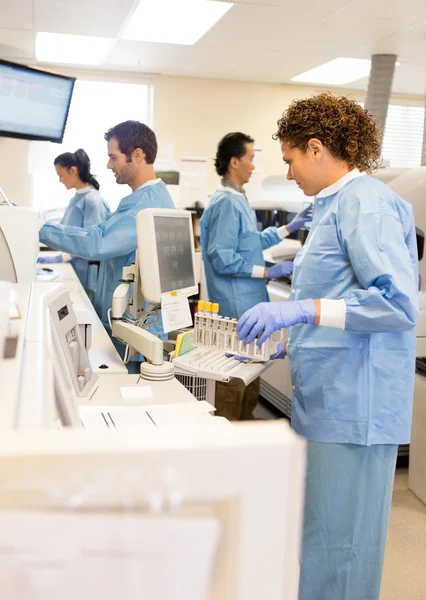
{"points": [[14, 177], [191, 113], [196, 113]]}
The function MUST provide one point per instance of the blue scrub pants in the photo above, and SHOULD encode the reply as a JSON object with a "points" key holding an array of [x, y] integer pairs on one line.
{"points": [[347, 506]]}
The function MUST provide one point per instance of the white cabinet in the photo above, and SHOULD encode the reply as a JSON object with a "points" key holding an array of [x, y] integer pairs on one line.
{"points": [[417, 470]]}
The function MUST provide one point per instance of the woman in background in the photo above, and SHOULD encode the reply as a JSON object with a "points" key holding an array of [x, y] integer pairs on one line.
{"points": [[86, 208]]}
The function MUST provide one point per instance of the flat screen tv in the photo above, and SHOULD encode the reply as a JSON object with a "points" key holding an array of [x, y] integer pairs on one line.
{"points": [[34, 104]]}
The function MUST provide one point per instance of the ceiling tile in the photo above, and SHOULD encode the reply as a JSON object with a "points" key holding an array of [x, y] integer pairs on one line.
{"points": [[343, 34], [408, 79], [261, 27], [257, 40], [102, 19], [16, 44], [16, 15], [289, 6], [403, 12], [408, 44]]}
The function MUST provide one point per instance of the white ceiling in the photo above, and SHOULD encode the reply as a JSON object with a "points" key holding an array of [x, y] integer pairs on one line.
{"points": [[257, 40]]}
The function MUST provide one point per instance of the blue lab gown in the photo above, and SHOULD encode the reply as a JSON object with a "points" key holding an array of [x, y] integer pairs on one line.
{"points": [[231, 246], [85, 210], [353, 388], [361, 248], [113, 243]]}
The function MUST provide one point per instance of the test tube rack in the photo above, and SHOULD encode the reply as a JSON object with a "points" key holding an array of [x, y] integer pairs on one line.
{"points": [[220, 333]]}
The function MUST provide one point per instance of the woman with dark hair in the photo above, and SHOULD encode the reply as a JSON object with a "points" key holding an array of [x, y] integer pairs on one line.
{"points": [[86, 208]]}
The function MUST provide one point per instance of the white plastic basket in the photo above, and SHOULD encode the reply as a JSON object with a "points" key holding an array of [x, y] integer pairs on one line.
{"points": [[201, 388]]}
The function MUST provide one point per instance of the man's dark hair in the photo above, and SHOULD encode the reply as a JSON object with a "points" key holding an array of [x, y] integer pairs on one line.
{"points": [[232, 145], [131, 135]]}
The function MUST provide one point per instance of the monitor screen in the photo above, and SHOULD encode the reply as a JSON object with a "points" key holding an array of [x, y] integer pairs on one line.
{"points": [[34, 104], [174, 251]]}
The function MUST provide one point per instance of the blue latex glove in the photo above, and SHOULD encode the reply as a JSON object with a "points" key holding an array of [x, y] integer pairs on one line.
{"points": [[244, 359], [300, 219], [268, 317], [47, 260], [280, 353], [281, 269]]}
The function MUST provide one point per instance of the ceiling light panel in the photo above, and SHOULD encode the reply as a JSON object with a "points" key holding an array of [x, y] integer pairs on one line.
{"points": [[173, 22], [336, 72], [72, 49]]}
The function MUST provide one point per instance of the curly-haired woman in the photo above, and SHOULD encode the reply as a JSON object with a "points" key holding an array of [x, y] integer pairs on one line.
{"points": [[352, 342]]}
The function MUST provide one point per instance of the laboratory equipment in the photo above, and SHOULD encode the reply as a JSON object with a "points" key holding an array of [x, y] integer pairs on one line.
{"points": [[411, 186], [417, 466], [215, 332], [68, 342], [19, 244], [275, 383], [165, 270], [34, 104], [284, 250], [165, 242], [388, 174], [280, 194], [39, 386], [209, 364], [37, 380], [89, 497]]}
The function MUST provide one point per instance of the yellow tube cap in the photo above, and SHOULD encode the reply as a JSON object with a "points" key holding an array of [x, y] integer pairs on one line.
{"points": [[208, 306], [215, 308]]}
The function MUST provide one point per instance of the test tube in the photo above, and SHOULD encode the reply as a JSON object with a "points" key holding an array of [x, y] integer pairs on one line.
{"points": [[229, 335], [199, 321], [224, 333], [259, 350], [233, 342], [207, 323], [220, 343], [215, 324]]}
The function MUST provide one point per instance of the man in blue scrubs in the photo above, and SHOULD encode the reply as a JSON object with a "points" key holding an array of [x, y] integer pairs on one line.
{"points": [[132, 149], [352, 342], [232, 250]]}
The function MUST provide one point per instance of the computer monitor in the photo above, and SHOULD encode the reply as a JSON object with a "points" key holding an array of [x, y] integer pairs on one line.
{"points": [[34, 104], [166, 253], [188, 514]]}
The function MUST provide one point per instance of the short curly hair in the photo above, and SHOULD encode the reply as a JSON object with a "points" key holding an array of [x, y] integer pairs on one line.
{"points": [[348, 131]]}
